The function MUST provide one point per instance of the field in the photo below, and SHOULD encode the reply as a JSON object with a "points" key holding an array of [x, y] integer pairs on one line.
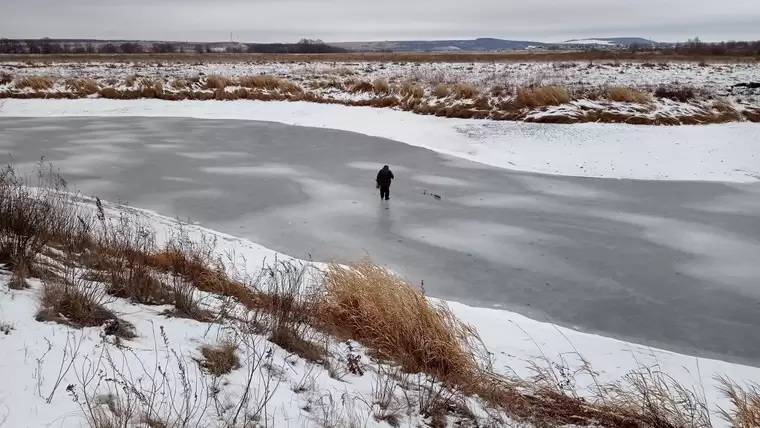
{"points": [[647, 92]]}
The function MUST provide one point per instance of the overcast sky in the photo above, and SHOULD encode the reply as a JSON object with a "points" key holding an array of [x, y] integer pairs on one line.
{"points": [[360, 20]]}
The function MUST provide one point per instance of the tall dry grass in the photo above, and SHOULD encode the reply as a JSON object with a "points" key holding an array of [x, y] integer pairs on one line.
{"points": [[35, 83], [542, 96], [84, 86], [626, 94], [269, 83], [745, 403], [367, 304], [218, 82]]}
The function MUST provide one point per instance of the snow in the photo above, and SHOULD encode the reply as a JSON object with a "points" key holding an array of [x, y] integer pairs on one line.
{"points": [[716, 76], [40, 360], [587, 42], [720, 153]]}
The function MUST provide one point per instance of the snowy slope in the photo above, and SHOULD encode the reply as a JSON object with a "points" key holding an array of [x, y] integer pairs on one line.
{"points": [[726, 153]]}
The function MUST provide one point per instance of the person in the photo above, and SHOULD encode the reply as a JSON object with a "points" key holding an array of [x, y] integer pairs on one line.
{"points": [[384, 177]]}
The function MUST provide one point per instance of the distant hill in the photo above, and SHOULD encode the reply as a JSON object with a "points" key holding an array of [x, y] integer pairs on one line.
{"points": [[485, 44], [620, 41], [476, 45]]}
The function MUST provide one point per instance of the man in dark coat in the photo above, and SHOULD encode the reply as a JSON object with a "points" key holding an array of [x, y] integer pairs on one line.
{"points": [[384, 178]]}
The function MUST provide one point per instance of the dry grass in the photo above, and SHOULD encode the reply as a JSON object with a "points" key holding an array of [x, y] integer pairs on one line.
{"points": [[220, 359], [629, 95], [542, 96], [130, 80], [266, 82], [291, 340], [218, 82], [465, 91], [84, 86], [71, 304], [745, 403], [411, 90], [382, 311], [358, 85], [5, 78], [381, 86], [441, 90], [35, 83], [180, 84]]}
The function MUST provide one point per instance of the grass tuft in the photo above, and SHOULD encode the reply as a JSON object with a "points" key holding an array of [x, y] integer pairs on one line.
{"points": [[745, 403], [366, 303], [69, 304], [441, 90], [220, 359], [542, 96], [381, 86], [217, 82], [84, 86], [629, 95], [36, 83]]}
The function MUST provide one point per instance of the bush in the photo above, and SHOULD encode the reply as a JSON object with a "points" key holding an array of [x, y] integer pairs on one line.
{"points": [[681, 94], [30, 219]]}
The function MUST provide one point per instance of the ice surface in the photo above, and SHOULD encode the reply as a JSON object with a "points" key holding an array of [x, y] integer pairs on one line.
{"points": [[726, 152]]}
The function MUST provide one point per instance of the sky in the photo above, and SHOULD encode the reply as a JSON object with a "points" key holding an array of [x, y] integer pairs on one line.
{"points": [[362, 20]]}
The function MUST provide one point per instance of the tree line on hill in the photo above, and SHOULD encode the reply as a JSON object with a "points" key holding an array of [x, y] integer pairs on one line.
{"points": [[58, 47], [697, 47]]}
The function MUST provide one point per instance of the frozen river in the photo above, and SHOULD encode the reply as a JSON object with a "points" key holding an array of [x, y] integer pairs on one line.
{"points": [[666, 263]]}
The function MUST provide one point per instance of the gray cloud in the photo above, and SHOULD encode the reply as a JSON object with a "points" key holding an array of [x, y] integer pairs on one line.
{"points": [[346, 20]]}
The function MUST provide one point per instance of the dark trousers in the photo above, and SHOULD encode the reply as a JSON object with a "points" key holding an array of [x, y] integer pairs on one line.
{"points": [[385, 192]]}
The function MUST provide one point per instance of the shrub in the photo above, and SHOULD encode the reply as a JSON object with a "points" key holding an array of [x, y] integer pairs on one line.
{"points": [[681, 94], [30, 219]]}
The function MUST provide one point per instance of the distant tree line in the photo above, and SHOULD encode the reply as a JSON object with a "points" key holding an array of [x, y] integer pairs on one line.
{"points": [[696, 47], [57, 47]]}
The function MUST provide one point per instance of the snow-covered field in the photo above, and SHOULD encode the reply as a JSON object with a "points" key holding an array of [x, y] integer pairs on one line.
{"points": [[646, 93], [712, 76], [46, 367], [724, 152]]}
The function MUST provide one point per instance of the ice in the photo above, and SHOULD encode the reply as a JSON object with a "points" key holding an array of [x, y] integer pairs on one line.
{"points": [[723, 153]]}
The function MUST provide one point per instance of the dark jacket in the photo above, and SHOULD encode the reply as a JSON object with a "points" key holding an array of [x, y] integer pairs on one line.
{"points": [[384, 177]]}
